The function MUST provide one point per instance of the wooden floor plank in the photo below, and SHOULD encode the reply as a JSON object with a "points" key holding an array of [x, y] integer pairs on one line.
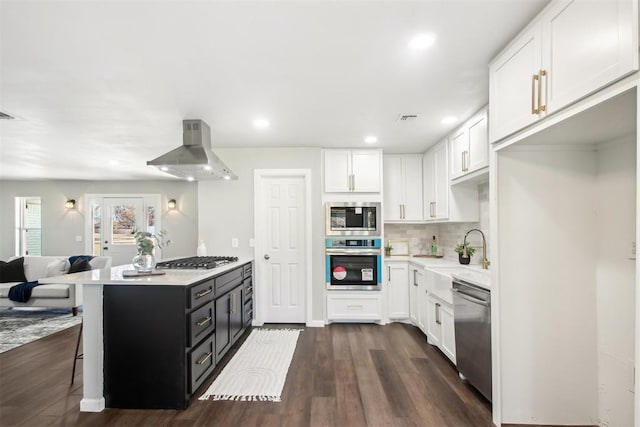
{"points": [[341, 375]]}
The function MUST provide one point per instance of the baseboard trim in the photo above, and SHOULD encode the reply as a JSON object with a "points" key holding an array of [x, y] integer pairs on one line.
{"points": [[315, 324], [92, 405]]}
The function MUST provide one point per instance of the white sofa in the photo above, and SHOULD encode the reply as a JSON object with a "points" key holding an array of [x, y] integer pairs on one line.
{"points": [[59, 296]]}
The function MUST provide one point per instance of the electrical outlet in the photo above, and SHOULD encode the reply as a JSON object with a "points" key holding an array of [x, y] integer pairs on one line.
{"points": [[252, 242], [78, 238], [234, 242], [633, 249]]}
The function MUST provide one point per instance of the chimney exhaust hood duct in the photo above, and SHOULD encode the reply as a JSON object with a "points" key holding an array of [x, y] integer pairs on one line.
{"points": [[193, 160]]}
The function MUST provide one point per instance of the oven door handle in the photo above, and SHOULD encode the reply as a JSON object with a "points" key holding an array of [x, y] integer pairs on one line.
{"points": [[334, 251]]}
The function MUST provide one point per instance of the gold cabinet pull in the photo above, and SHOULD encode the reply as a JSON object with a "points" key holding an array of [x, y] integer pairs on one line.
{"points": [[204, 321], [541, 107], [204, 359], [534, 110]]}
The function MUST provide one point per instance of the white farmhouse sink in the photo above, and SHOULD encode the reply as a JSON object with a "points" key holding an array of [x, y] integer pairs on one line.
{"points": [[477, 277]]}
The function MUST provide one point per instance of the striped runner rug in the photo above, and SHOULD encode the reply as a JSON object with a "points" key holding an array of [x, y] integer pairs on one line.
{"points": [[259, 369]]}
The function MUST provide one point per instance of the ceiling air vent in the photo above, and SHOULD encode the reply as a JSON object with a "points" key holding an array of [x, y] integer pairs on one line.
{"points": [[407, 117], [5, 116]]}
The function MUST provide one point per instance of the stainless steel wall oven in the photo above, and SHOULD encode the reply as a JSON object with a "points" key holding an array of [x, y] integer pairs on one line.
{"points": [[353, 264]]}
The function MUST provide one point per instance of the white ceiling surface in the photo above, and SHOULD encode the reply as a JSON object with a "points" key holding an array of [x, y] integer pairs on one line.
{"points": [[95, 83]]}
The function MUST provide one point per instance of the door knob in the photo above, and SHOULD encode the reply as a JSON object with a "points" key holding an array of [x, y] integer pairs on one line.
{"points": [[266, 256], [105, 248]]}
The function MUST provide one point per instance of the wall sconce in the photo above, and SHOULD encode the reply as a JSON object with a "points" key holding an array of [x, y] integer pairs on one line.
{"points": [[172, 204], [70, 204]]}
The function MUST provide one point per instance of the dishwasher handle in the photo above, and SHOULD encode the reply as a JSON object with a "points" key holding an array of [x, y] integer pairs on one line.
{"points": [[470, 298]]}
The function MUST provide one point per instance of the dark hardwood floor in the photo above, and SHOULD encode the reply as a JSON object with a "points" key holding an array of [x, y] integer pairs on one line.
{"points": [[341, 375]]}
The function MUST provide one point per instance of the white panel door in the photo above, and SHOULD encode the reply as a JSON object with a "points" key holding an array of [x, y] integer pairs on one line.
{"points": [[122, 217], [412, 187], [398, 290], [586, 45], [366, 171], [392, 167], [478, 156], [510, 85], [337, 168], [283, 241]]}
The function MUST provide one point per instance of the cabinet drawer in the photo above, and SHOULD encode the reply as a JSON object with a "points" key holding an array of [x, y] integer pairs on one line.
{"points": [[228, 281], [247, 270], [201, 323], [201, 363], [248, 289], [343, 307], [201, 293], [248, 313]]}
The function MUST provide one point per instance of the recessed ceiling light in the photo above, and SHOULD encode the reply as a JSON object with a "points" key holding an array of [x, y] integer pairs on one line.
{"points": [[207, 167], [371, 139], [114, 163], [164, 168], [449, 120], [189, 178], [261, 123], [422, 41], [227, 177]]}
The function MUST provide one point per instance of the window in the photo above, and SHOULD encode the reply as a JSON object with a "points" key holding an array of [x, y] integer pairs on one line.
{"points": [[28, 226]]}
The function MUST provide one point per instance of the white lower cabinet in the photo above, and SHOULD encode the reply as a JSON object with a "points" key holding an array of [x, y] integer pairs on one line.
{"points": [[398, 290], [417, 297], [440, 326], [354, 306]]}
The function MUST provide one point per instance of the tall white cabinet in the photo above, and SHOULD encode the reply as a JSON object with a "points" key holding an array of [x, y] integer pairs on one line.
{"points": [[402, 187]]}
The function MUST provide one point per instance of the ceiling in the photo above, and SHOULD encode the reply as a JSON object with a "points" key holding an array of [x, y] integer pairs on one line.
{"points": [[97, 88]]}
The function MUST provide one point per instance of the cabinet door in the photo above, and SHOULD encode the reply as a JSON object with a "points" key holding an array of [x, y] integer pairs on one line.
{"points": [[392, 167], [398, 290], [586, 45], [414, 302], [459, 147], [478, 156], [429, 185], [412, 188], [366, 171], [423, 302], [441, 180], [235, 317], [448, 343], [510, 85], [337, 168], [434, 330], [223, 326]]}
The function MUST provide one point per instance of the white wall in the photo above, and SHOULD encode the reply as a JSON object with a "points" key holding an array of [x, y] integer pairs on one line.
{"points": [[60, 225], [615, 279], [547, 310], [226, 207]]}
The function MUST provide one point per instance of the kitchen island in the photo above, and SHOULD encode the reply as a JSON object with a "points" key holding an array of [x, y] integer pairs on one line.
{"points": [[152, 341]]}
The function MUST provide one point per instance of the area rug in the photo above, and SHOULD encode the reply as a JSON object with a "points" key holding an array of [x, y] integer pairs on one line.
{"points": [[259, 369], [18, 327]]}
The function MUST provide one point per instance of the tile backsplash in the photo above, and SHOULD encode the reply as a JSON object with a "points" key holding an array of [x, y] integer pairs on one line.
{"points": [[448, 235]]}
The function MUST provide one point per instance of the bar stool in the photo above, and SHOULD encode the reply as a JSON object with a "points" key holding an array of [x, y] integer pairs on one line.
{"points": [[77, 356]]}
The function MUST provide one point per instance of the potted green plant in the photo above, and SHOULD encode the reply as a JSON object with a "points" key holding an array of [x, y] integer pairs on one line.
{"points": [[387, 249], [465, 252], [146, 242]]}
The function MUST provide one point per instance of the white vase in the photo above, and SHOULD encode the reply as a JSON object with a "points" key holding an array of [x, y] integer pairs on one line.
{"points": [[144, 263]]}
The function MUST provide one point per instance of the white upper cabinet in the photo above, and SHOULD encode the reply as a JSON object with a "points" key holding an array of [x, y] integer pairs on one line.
{"points": [[470, 146], [436, 182], [349, 171], [402, 187], [572, 49]]}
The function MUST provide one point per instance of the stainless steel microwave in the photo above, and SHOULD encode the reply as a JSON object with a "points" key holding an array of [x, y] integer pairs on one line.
{"points": [[353, 219]]}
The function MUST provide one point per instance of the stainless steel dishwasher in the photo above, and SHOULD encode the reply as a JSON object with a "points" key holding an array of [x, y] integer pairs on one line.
{"points": [[472, 318]]}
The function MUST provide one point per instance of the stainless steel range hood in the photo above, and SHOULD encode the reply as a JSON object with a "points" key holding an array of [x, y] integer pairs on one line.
{"points": [[193, 160]]}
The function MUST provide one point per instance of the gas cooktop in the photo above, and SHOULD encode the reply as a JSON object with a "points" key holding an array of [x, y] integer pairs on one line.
{"points": [[197, 262]]}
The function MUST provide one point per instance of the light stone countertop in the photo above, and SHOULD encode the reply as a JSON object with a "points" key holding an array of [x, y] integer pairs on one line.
{"points": [[113, 276], [470, 273]]}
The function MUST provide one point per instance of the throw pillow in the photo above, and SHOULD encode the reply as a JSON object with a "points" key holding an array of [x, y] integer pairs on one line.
{"points": [[12, 271], [80, 264]]}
